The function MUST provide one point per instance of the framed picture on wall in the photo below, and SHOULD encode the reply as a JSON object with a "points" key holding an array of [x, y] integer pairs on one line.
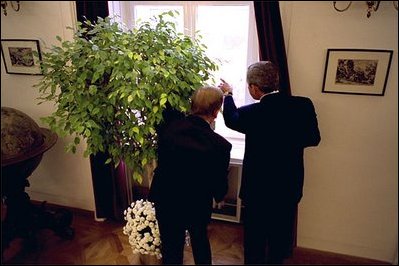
{"points": [[21, 56], [357, 71]]}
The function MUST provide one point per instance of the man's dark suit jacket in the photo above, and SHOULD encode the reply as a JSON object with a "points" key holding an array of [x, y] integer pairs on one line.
{"points": [[277, 129], [192, 169]]}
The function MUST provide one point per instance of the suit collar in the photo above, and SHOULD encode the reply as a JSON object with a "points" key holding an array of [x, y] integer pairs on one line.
{"points": [[198, 121]]}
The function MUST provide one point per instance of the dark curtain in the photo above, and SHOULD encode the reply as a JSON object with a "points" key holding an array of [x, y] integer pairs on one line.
{"points": [[91, 10], [271, 39], [110, 185], [272, 48]]}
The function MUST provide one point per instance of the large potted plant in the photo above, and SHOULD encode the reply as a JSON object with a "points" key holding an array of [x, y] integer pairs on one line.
{"points": [[111, 86]]}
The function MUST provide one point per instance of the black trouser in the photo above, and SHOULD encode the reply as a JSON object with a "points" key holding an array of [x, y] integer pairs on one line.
{"points": [[268, 232], [173, 235]]}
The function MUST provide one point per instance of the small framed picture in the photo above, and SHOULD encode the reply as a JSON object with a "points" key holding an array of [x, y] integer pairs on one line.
{"points": [[21, 56], [357, 71]]}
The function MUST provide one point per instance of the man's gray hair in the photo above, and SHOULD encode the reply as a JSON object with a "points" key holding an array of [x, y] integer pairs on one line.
{"points": [[263, 74]]}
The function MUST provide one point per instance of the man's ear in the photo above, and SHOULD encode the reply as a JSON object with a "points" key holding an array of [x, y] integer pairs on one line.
{"points": [[215, 113], [256, 90], [254, 87]]}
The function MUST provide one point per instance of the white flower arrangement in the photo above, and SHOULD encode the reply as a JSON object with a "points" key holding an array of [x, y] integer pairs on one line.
{"points": [[142, 228]]}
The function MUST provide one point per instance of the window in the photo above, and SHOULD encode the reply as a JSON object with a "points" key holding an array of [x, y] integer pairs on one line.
{"points": [[228, 30]]}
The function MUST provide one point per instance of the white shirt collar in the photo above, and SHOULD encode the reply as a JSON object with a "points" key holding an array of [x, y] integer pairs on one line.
{"points": [[272, 92]]}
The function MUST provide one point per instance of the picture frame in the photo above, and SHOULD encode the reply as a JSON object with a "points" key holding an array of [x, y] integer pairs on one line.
{"points": [[18, 56], [357, 71]]}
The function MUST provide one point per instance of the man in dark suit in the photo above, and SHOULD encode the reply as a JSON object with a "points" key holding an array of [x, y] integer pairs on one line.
{"points": [[191, 171], [277, 129]]}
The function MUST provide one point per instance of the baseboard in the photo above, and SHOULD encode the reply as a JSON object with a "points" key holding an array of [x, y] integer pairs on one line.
{"points": [[345, 249], [52, 206], [75, 202], [311, 252]]}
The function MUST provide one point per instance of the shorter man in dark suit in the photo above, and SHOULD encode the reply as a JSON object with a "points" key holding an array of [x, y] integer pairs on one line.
{"points": [[191, 171], [277, 129]]}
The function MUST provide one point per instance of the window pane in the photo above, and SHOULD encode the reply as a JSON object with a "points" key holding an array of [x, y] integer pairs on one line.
{"points": [[226, 37], [146, 12]]}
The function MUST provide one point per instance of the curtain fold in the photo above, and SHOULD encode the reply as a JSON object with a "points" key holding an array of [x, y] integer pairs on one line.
{"points": [[112, 191], [91, 10], [271, 39], [272, 48]]}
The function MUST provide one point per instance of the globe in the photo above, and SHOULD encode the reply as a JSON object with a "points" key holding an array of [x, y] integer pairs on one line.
{"points": [[21, 137]]}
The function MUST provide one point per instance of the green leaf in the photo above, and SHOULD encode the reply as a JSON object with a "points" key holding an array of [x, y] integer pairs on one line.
{"points": [[137, 57], [95, 111], [87, 133], [80, 129], [86, 153], [163, 101], [138, 177], [93, 89]]}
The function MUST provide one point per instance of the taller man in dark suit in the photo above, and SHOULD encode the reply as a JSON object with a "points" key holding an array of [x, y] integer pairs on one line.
{"points": [[192, 170], [277, 129]]}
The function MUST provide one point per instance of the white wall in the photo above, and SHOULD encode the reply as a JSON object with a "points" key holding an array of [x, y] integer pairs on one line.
{"points": [[61, 178], [350, 202], [351, 190]]}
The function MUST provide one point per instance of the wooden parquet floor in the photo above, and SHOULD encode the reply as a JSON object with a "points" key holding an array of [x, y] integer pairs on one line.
{"points": [[103, 243]]}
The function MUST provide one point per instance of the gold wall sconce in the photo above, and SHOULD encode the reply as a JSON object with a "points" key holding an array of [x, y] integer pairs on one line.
{"points": [[371, 6], [15, 6]]}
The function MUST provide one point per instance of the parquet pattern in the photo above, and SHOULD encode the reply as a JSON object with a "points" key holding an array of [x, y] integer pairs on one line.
{"points": [[103, 243]]}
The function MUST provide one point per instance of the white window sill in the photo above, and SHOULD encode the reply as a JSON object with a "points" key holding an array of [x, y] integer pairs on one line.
{"points": [[237, 151]]}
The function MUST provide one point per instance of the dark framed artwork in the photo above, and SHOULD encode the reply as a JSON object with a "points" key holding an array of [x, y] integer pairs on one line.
{"points": [[357, 71], [19, 56]]}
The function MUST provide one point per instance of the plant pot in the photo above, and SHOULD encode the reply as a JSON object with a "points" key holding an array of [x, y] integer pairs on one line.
{"points": [[112, 191]]}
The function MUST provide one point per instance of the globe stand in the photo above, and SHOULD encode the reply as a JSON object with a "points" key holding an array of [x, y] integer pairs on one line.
{"points": [[23, 219]]}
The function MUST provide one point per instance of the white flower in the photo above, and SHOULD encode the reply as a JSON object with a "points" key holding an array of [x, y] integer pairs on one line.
{"points": [[142, 228]]}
